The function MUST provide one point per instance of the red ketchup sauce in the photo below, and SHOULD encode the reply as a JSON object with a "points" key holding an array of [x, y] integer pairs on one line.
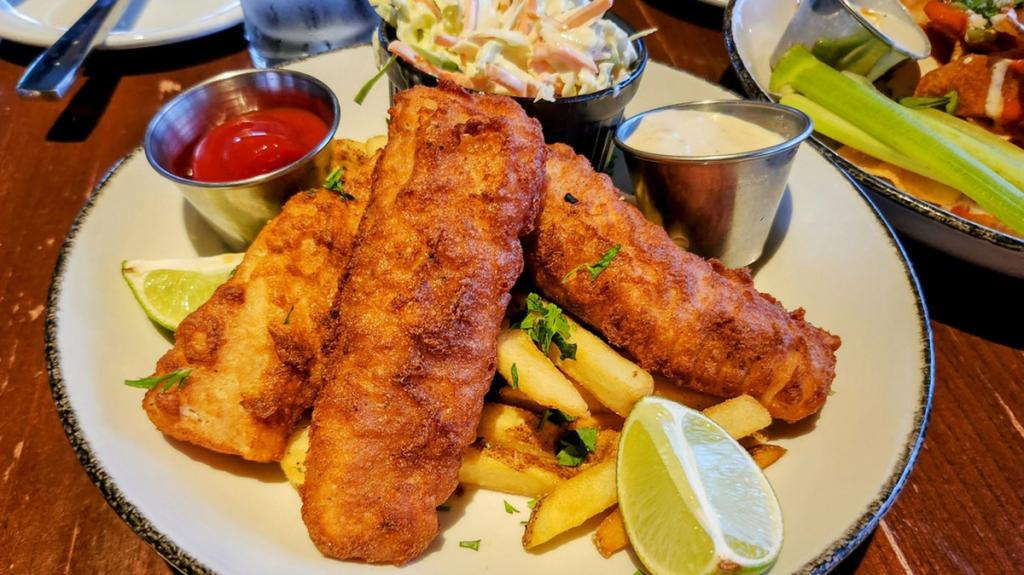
{"points": [[255, 143]]}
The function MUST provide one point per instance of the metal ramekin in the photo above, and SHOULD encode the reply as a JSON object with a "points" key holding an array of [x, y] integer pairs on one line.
{"points": [[718, 206], [237, 210], [842, 34]]}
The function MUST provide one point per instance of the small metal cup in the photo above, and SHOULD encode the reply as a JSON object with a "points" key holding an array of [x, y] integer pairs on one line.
{"points": [[238, 210], [847, 35], [718, 206]]}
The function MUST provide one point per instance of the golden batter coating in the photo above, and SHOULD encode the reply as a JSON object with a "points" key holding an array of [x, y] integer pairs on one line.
{"points": [[416, 323], [251, 346], [692, 320]]}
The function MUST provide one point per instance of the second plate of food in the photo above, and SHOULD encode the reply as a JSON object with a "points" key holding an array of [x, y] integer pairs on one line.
{"points": [[830, 253], [918, 207]]}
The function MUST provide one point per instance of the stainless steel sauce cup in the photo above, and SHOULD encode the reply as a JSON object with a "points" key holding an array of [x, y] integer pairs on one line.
{"points": [[718, 206], [239, 209], [851, 35]]}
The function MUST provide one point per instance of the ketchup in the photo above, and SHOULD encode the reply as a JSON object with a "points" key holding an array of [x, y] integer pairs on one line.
{"points": [[256, 143]]}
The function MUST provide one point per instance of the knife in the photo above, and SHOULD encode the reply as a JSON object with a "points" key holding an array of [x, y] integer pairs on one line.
{"points": [[51, 74]]}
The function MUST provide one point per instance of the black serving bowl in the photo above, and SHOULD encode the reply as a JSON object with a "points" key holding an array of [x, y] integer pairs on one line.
{"points": [[587, 122]]}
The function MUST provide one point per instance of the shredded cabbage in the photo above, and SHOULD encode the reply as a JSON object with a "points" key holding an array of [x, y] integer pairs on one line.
{"points": [[541, 49]]}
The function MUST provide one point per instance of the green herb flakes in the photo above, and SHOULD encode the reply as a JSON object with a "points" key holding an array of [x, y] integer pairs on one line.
{"points": [[546, 324], [164, 382], [595, 269], [555, 416], [509, 508], [576, 445], [335, 183], [515, 377], [474, 545]]}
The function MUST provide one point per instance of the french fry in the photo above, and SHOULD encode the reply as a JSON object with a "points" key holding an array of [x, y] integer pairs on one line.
{"points": [[614, 380], [538, 378], [766, 454], [517, 428], [512, 396], [740, 416], [610, 537], [504, 469], [375, 143], [571, 503], [593, 404], [294, 461], [688, 397]]}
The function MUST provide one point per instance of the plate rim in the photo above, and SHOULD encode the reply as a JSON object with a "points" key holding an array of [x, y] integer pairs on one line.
{"points": [[37, 34], [184, 562], [856, 174]]}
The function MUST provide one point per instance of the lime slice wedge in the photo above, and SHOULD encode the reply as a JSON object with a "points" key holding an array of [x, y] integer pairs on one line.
{"points": [[692, 499], [169, 290]]}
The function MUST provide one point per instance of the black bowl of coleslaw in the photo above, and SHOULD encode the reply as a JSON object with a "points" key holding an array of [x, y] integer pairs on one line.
{"points": [[587, 122]]}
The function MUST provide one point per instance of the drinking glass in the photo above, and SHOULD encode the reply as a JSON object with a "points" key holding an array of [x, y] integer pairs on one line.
{"points": [[283, 30]]}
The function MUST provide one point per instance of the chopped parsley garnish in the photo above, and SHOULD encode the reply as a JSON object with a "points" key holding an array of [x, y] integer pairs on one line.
{"points": [[947, 103], [164, 382], [576, 445], [524, 522], [509, 509], [555, 416], [474, 545], [444, 507], [515, 377], [288, 316], [532, 503], [986, 8], [362, 93], [571, 199], [597, 267], [546, 324], [335, 183]]}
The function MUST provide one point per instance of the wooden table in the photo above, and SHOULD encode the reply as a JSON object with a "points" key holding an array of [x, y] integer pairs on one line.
{"points": [[961, 512]]}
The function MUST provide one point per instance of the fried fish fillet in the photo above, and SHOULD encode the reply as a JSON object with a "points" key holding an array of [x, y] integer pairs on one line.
{"points": [[250, 347], [689, 319], [415, 330]]}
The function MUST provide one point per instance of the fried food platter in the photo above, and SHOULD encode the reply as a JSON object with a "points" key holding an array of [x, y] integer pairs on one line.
{"points": [[206, 512]]}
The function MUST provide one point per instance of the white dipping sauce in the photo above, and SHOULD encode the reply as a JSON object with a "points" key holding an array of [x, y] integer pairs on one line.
{"points": [[696, 133], [900, 29]]}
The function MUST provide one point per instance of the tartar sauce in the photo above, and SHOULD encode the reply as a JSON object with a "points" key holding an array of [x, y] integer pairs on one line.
{"points": [[696, 133]]}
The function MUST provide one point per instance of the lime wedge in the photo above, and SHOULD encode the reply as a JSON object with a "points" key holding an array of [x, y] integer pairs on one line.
{"points": [[692, 499], [169, 290]]}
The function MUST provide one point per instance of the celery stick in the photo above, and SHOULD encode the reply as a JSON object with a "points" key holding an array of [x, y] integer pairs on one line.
{"points": [[1006, 147], [1007, 165], [901, 129], [831, 125]]}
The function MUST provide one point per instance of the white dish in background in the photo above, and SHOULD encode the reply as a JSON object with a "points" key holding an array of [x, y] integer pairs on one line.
{"points": [[833, 255], [719, 3], [145, 23], [752, 30]]}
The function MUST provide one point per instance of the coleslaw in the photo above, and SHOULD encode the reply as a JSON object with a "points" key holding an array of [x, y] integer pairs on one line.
{"points": [[543, 49]]}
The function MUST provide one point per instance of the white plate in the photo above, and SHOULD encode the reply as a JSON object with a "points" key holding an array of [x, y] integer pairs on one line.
{"points": [[752, 30], [835, 257], [146, 22]]}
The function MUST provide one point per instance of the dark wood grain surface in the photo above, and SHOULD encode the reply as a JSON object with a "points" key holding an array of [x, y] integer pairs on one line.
{"points": [[961, 512]]}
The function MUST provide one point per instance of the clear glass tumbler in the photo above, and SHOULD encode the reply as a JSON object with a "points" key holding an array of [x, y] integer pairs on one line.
{"points": [[283, 30]]}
